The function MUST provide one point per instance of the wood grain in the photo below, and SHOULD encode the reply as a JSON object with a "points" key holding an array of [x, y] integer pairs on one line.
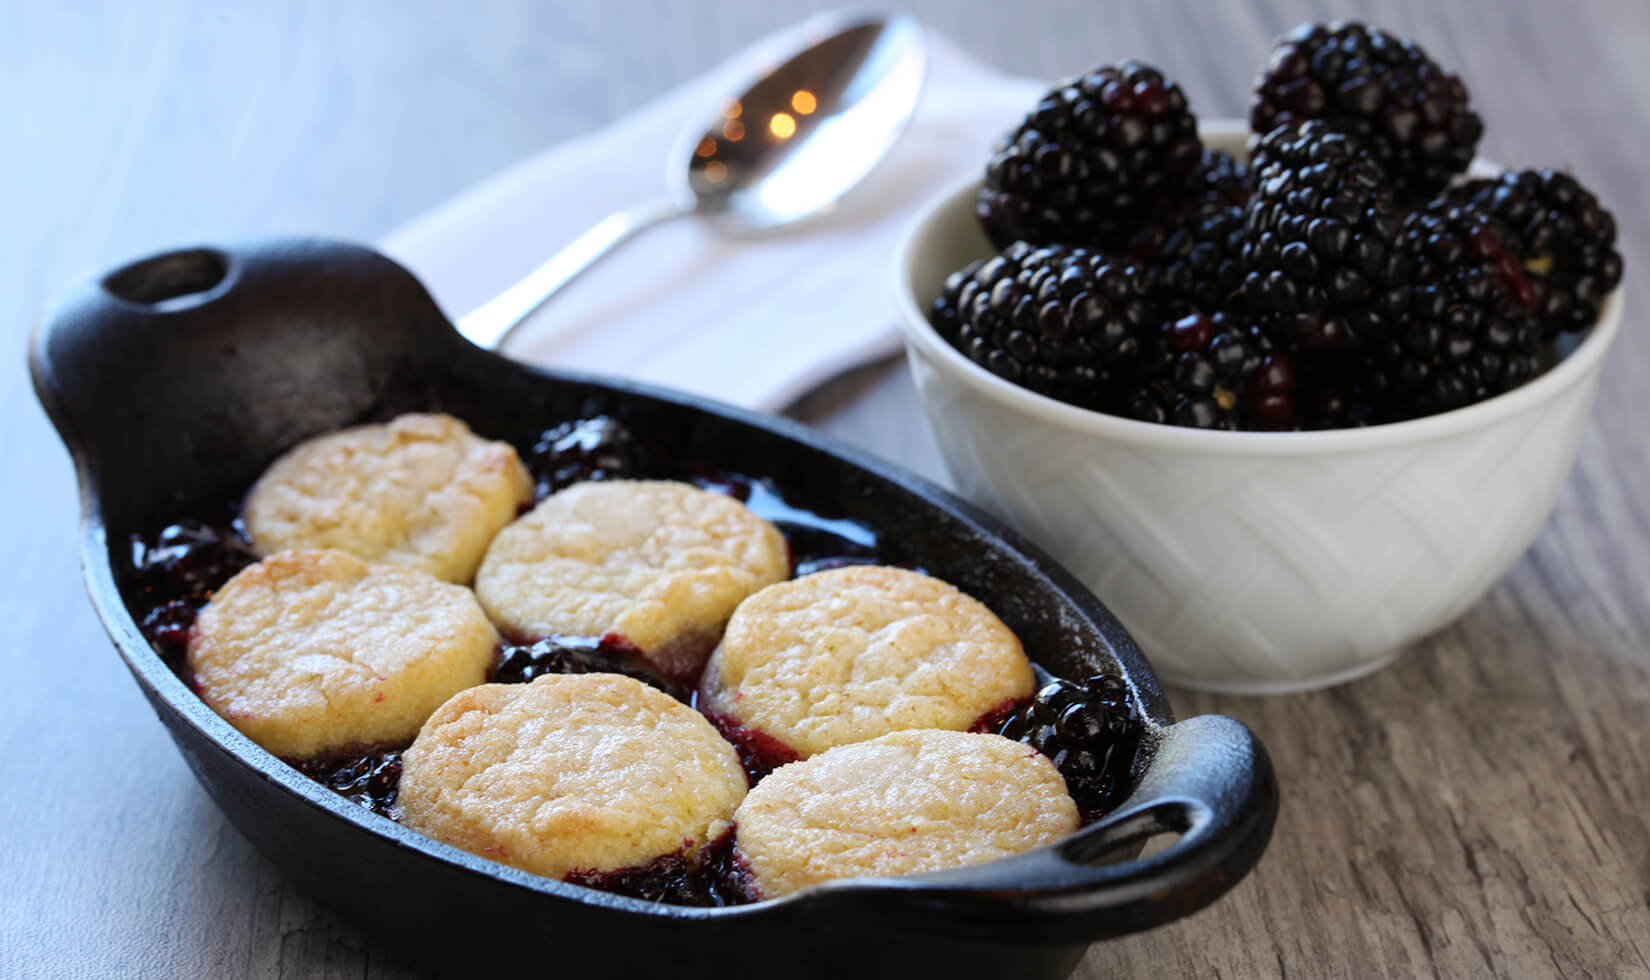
{"points": [[1480, 808]]}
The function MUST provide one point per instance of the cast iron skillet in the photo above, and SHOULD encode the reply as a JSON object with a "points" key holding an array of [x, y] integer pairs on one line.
{"points": [[178, 378]]}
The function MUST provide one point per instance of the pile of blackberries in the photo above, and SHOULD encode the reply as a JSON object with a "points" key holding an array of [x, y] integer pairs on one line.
{"points": [[1345, 275]]}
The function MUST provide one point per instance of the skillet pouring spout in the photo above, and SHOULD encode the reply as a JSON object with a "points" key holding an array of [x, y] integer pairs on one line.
{"points": [[177, 378]]}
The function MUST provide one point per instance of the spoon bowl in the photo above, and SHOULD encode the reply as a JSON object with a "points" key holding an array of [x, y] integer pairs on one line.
{"points": [[809, 129], [784, 149]]}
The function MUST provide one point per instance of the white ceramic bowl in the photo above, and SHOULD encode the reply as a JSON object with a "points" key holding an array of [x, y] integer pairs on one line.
{"points": [[1253, 562]]}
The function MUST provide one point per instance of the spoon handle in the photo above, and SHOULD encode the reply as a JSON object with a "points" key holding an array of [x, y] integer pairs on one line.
{"points": [[491, 323]]}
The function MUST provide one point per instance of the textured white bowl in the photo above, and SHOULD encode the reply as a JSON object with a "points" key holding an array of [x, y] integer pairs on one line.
{"points": [[1251, 562]]}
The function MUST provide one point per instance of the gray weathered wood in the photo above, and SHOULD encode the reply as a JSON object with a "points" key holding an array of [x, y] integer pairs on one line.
{"points": [[1479, 808]]}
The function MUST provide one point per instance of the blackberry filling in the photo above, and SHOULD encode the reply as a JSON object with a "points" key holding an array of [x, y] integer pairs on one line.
{"points": [[367, 775], [1090, 731], [759, 752], [174, 573], [189, 560], [597, 448], [716, 879], [519, 663]]}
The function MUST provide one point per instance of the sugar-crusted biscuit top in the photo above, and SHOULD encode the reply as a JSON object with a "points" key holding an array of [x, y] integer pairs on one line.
{"points": [[571, 772], [421, 491], [853, 653], [307, 651], [661, 564], [907, 802]]}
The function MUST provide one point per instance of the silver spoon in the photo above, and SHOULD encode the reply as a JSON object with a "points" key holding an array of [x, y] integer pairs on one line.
{"points": [[795, 141]]}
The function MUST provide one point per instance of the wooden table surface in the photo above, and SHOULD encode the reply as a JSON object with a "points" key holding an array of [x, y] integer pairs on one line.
{"points": [[1479, 808]]}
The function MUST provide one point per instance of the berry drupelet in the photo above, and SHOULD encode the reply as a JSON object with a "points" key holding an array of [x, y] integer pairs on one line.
{"points": [[1471, 332], [1319, 257], [1564, 238], [1382, 88], [1059, 321], [1214, 372], [1095, 155], [1089, 731]]}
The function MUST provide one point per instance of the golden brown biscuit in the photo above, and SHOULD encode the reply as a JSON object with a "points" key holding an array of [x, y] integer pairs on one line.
{"points": [[572, 772], [421, 491], [907, 802], [853, 653], [307, 651], [661, 565]]}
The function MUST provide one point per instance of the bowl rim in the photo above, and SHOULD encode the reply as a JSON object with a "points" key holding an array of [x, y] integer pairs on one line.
{"points": [[1571, 369]]}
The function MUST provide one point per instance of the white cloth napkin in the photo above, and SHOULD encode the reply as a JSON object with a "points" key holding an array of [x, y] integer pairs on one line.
{"points": [[752, 321]]}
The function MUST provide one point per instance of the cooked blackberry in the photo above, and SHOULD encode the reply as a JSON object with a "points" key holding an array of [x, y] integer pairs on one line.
{"points": [[1471, 332], [1090, 732], [1096, 155], [1382, 88], [598, 448], [715, 877], [166, 627], [1565, 239], [1319, 257], [1214, 372], [1059, 321], [370, 776], [518, 664], [1198, 264], [189, 560]]}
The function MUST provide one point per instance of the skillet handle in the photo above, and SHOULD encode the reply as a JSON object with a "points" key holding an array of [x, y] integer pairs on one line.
{"points": [[173, 369], [1210, 780]]}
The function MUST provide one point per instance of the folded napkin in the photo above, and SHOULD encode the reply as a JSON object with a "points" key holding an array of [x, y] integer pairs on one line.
{"points": [[755, 321]]}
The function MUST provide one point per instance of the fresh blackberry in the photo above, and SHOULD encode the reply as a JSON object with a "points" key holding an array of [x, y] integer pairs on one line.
{"points": [[1095, 156], [1059, 321], [1219, 179], [1382, 88], [1472, 331], [944, 313], [1336, 391], [1214, 372], [1090, 732], [1565, 239], [1197, 266], [518, 664], [598, 448], [1319, 257]]}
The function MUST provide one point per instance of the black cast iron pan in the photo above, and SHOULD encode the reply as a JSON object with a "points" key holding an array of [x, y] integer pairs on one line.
{"points": [[179, 377]]}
